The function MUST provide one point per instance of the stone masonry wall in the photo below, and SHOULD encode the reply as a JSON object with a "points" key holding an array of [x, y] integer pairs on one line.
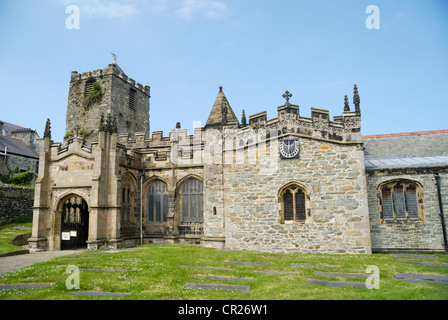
{"points": [[24, 163], [15, 202], [78, 114], [334, 178], [116, 87], [410, 235], [129, 120]]}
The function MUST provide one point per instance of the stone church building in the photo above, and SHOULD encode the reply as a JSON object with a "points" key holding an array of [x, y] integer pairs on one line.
{"points": [[287, 184]]}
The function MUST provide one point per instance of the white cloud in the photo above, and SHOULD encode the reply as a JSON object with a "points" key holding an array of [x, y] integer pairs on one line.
{"points": [[105, 8], [208, 8], [184, 9], [110, 9], [158, 5]]}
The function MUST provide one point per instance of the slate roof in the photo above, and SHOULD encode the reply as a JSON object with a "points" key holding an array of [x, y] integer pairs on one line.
{"points": [[8, 128], [17, 147], [406, 150], [215, 117], [419, 162]]}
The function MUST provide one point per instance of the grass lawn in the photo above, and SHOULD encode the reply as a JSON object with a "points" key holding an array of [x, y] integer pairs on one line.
{"points": [[8, 232], [158, 272]]}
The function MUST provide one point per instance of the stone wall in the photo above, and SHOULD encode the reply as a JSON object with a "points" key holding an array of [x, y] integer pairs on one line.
{"points": [[15, 202], [130, 119], [29, 137], [416, 236], [3, 168], [79, 116], [24, 163], [333, 177], [164, 159], [116, 87]]}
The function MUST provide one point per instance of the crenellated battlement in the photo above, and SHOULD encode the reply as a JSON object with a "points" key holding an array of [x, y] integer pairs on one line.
{"points": [[111, 69], [157, 140], [107, 91], [75, 144], [222, 129], [343, 128]]}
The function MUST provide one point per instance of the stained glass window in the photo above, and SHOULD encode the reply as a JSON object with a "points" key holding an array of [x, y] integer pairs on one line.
{"points": [[157, 202], [192, 201], [294, 204], [399, 200]]}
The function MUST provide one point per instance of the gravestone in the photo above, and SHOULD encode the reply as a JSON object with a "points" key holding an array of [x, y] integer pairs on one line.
{"points": [[225, 287], [336, 283], [99, 294]]}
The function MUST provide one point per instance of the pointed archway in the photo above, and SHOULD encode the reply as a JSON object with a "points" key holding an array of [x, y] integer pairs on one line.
{"points": [[74, 223]]}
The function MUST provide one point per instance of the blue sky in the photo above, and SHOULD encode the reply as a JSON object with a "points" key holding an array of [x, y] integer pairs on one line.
{"points": [[186, 49]]}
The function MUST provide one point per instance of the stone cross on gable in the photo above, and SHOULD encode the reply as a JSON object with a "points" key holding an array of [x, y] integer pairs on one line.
{"points": [[287, 96]]}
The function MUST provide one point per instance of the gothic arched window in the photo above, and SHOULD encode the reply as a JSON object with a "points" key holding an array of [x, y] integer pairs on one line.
{"points": [[400, 201], [294, 203], [192, 201], [126, 203], [157, 202]]}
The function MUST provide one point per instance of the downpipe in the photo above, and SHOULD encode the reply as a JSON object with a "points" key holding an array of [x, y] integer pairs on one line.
{"points": [[442, 217], [142, 175]]}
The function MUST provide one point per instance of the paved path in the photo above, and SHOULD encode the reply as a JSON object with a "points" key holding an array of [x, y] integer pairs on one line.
{"points": [[11, 263]]}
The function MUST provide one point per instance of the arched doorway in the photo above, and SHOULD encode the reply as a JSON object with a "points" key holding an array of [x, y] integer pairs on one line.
{"points": [[74, 223], [129, 223]]}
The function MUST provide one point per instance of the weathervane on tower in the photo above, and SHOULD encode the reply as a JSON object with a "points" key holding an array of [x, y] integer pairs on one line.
{"points": [[115, 57]]}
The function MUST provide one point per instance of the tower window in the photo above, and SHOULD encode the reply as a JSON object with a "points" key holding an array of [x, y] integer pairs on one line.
{"points": [[88, 88], [132, 98]]}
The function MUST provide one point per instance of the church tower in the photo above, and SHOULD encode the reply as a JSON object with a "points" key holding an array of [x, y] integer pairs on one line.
{"points": [[104, 92]]}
